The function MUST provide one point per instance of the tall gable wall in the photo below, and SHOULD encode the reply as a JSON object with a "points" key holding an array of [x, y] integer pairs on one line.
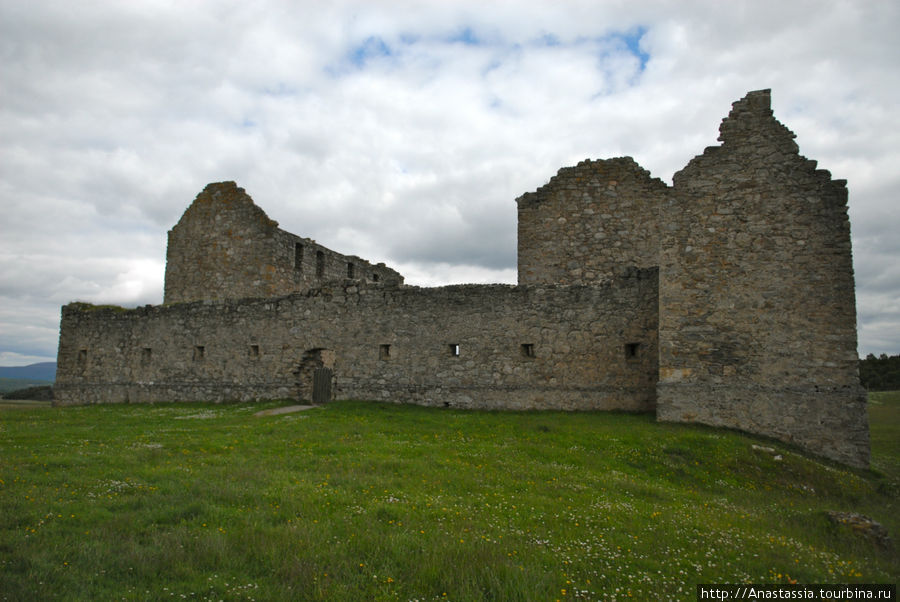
{"points": [[222, 247], [757, 305], [590, 222], [225, 247]]}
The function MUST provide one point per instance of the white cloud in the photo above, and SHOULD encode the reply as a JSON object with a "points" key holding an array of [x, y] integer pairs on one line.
{"points": [[402, 132]]}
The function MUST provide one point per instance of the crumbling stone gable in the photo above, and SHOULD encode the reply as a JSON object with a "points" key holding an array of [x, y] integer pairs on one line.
{"points": [[225, 247], [590, 222], [757, 305]]}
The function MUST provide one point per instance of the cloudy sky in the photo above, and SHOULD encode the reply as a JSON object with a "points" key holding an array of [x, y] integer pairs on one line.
{"points": [[403, 131]]}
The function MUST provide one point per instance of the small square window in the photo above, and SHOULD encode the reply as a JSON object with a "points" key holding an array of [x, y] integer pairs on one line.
{"points": [[454, 349], [254, 350], [374, 277], [631, 350], [384, 352], [527, 349]]}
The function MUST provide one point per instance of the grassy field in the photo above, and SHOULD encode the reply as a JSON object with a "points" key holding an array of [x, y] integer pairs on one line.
{"points": [[364, 501]]}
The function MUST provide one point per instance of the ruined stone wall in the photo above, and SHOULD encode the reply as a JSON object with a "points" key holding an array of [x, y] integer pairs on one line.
{"points": [[225, 247], [757, 306], [590, 222], [473, 346], [748, 321]]}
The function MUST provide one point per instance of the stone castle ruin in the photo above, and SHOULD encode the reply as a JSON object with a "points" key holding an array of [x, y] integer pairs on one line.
{"points": [[725, 299]]}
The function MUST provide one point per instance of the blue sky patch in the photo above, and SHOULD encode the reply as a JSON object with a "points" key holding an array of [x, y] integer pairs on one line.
{"points": [[372, 48], [632, 41], [465, 36], [548, 39]]}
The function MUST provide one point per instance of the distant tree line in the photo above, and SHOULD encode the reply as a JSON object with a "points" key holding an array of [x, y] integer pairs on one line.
{"points": [[39, 393], [880, 373]]}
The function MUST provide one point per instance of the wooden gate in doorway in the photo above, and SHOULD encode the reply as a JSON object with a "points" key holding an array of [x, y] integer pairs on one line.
{"points": [[321, 390]]}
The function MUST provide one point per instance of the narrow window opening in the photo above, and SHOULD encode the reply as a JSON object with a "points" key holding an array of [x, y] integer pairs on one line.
{"points": [[351, 270], [454, 349], [82, 359], [146, 355], [199, 353], [320, 264], [384, 352], [527, 349], [298, 256], [254, 350], [374, 277], [631, 350]]}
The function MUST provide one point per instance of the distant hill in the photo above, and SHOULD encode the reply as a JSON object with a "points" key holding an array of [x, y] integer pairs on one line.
{"points": [[44, 371]]}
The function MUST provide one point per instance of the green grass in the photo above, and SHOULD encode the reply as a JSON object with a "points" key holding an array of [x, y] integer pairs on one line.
{"points": [[365, 501]]}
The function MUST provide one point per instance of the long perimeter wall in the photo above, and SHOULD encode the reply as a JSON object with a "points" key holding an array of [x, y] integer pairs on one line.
{"points": [[471, 346]]}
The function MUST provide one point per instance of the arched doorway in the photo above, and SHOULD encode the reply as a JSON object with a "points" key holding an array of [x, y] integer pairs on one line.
{"points": [[315, 376]]}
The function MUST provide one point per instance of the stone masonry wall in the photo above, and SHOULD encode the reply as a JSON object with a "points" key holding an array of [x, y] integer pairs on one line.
{"points": [[224, 246], [757, 306], [590, 222], [473, 346]]}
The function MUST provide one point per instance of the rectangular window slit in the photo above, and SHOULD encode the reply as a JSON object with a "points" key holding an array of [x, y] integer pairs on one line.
{"points": [[631, 350], [351, 270], [199, 352], [254, 350], [146, 355], [82, 359], [527, 349], [320, 264], [454, 349], [298, 256], [384, 352], [374, 277]]}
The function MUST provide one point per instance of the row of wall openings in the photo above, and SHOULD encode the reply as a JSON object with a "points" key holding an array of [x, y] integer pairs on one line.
{"points": [[199, 353], [632, 351], [384, 351], [527, 350], [320, 263], [299, 252]]}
